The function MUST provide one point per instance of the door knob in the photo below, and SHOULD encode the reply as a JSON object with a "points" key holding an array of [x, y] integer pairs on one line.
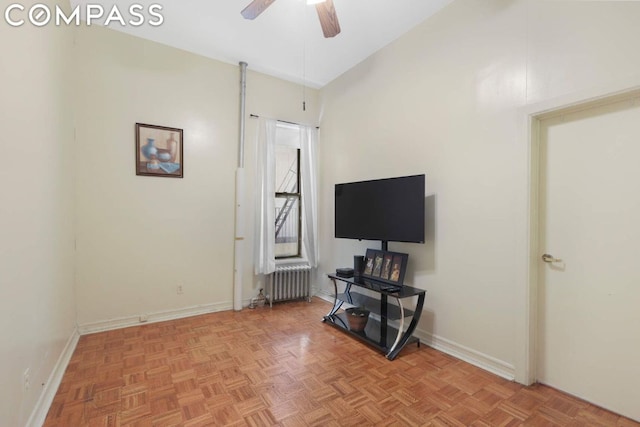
{"points": [[550, 258]]}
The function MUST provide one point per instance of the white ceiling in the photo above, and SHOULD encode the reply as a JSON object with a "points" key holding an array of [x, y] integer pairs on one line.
{"points": [[286, 41]]}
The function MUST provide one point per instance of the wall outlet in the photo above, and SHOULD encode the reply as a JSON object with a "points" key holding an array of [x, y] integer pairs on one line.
{"points": [[179, 290], [26, 377], [143, 318]]}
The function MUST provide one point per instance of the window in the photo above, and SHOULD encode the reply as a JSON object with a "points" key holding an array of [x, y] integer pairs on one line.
{"points": [[295, 189], [288, 212]]}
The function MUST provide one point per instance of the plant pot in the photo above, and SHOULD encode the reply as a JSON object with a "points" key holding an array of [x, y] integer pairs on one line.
{"points": [[357, 318]]}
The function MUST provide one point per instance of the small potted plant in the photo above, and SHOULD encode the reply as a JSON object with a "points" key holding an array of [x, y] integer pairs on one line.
{"points": [[357, 318]]}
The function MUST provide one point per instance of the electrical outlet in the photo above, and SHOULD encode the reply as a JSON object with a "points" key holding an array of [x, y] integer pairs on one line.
{"points": [[26, 379], [179, 290], [143, 318]]}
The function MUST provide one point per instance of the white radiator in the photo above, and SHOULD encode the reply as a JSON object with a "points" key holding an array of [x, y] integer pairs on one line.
{"points": [[290, 282]]}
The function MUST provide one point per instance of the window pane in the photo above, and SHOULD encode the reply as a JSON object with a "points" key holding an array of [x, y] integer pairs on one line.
{"points": [[286, 169], [287, 224]]}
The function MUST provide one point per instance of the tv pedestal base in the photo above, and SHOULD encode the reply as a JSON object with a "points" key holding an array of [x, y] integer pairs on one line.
{"points": [[378, 333]]}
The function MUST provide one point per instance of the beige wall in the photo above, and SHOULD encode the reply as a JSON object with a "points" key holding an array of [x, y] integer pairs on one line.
{"points": [[448, 100], [139, 238], [37, 308]]}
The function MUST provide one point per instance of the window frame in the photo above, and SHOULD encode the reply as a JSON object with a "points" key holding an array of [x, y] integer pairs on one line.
{"points": [[297, 195]]}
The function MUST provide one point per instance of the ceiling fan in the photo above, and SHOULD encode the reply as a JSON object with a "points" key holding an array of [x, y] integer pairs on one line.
{"points": [[326, 13]]}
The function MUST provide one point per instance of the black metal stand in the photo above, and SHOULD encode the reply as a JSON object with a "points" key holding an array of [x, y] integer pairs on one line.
{"points": [[377, 331]]}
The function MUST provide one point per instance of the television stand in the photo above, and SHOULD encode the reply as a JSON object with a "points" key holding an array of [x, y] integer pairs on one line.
{"points": [[378, 333]]}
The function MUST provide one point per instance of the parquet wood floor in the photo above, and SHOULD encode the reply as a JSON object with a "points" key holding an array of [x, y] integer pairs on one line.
{"points": [[284, 367]]}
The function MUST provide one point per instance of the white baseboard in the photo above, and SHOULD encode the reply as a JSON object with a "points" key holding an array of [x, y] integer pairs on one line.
{"points": [[469, 355], [325, 295], [459, 351], [124, 322], [50, 389]]}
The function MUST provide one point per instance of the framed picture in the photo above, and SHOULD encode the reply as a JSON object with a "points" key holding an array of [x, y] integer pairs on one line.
{"points": [[385, 266], [377, 265], [159, 151], [397, 269], [368, 269]]}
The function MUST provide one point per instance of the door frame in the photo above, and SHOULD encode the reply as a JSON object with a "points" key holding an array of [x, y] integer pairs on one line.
{"points": [[532, 115]]}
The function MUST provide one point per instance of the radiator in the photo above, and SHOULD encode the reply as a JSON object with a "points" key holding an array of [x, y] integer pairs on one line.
{"points": [[290, 282]]}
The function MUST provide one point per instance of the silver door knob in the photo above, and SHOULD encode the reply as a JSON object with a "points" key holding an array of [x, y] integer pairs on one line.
{"points": [[550, 258]]}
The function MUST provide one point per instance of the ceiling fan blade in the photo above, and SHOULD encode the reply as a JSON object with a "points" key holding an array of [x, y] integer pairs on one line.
{"points": [[328, 18], [255, 8]]}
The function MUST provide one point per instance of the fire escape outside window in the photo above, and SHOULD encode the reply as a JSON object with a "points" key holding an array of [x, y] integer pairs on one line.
{"points": [[288, 212]]}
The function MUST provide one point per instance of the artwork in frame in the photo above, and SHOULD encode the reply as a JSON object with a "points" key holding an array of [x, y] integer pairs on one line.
{"points": [[385, 266], [377, 265], [368, 270], [159, 151]]}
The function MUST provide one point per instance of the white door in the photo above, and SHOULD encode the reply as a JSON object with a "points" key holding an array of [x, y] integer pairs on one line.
{"points": [[589, 303]]}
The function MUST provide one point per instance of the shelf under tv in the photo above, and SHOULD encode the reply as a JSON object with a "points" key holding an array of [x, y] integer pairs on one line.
{"points": [[378, 333]]}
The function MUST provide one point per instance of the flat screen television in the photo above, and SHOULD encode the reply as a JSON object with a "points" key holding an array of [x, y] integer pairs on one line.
{"points": [[389, 209]]}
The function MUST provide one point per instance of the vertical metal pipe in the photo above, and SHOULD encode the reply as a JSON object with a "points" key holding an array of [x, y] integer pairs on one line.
{"points": [[239, 232], [243, 97]]}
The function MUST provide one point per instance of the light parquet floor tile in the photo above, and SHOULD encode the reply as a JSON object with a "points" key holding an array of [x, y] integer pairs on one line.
{"points": [[281, 366]]}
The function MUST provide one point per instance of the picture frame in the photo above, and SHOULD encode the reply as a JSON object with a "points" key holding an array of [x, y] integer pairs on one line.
{"points": [[385, 266], [377, 264], [159, 151]]}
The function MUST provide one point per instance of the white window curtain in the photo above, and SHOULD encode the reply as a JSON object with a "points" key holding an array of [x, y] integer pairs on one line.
{"points": [[264, 246], [309, 174], [265, 240]]}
